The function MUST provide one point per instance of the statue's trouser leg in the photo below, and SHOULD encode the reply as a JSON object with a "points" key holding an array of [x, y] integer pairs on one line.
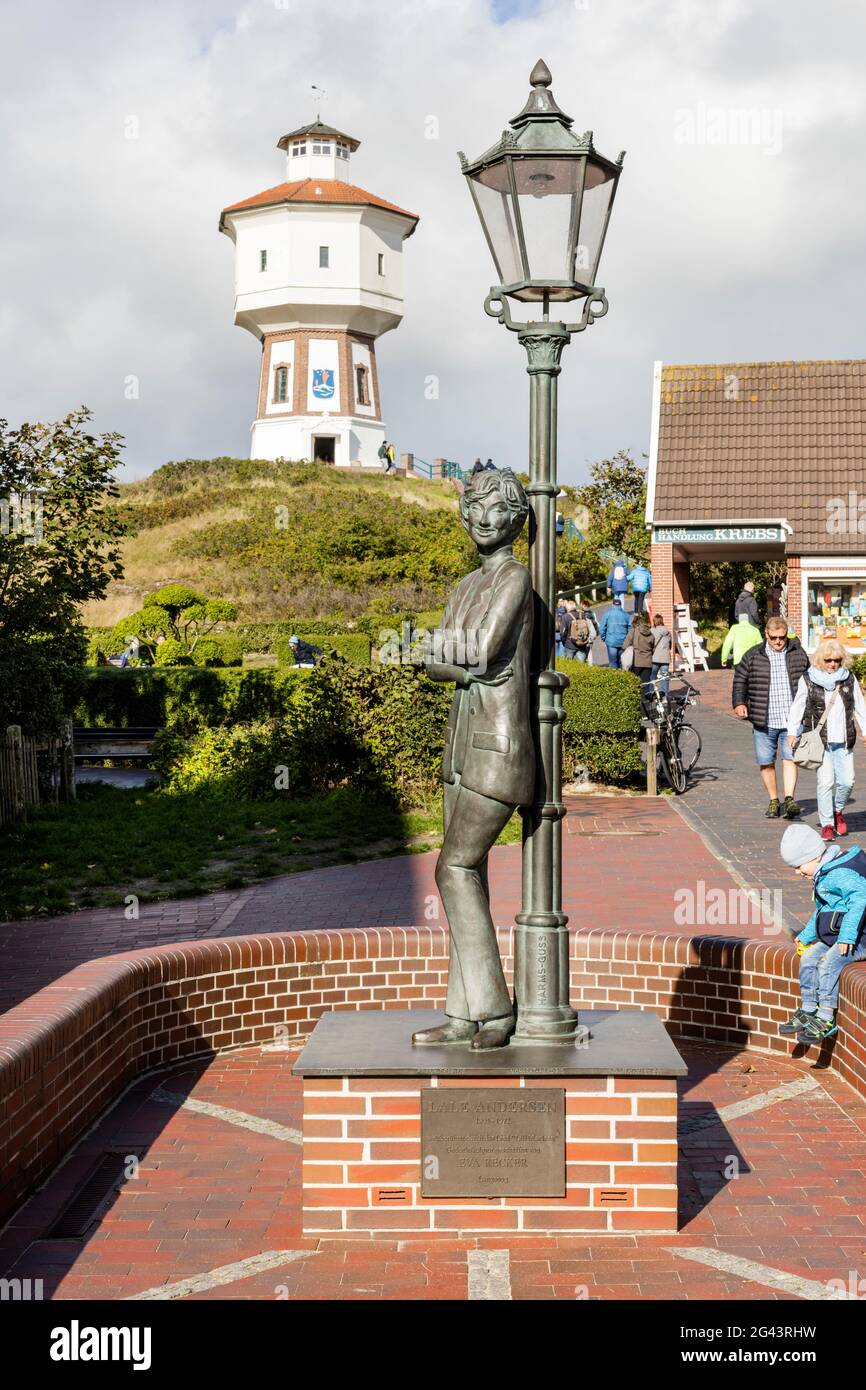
{"points": [[476, 983]]}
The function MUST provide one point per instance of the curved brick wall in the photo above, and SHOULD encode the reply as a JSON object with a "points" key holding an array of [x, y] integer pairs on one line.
{"points": [[72, 1048]]}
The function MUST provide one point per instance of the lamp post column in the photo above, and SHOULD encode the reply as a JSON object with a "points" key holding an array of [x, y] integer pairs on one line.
{"points": [[541, 967]]}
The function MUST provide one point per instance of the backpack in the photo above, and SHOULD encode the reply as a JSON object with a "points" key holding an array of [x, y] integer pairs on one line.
{"points": [[619, 572], [828, 922], [579, 632]]}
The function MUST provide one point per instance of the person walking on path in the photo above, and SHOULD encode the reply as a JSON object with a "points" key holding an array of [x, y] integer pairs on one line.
{"points": [[578, 632], [641, 584], [829, 698], [833, 937], [741, 636], [640, 637], [617, 580], [613, 632], [661, 663], [558, 621], [764, 685], [747, 603]]}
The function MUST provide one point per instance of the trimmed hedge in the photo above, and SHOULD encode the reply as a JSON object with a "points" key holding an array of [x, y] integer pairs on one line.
{"points": [[184, 698], [228, 648], [602, 722]]}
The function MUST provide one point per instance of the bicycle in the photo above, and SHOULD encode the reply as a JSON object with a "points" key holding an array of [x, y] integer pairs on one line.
{"points": [[679, 744], [687, 736]]}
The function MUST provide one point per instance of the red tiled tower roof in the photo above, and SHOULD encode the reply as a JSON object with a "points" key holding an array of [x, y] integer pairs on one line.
{"points": [[316, 191]]}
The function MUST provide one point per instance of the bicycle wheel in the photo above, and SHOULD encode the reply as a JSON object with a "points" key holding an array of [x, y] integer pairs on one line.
{"points": [[689, 744], [672, 766]]}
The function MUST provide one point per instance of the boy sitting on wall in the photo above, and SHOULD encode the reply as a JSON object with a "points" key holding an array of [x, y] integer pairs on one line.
{"points": [[833, 937]]}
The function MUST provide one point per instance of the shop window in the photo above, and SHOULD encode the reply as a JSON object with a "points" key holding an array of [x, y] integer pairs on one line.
{"points": [[281, 384], [837, 608], [362, 386]]}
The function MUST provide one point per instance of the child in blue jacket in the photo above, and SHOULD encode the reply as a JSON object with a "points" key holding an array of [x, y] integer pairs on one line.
{"points": [[834, 935]]}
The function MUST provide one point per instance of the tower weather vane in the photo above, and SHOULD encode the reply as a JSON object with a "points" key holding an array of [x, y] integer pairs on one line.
{"points": [[319, 98]]}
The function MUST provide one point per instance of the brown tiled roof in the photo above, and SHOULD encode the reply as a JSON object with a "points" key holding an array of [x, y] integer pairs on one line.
{"points": [[315, 191], [754, 440]]}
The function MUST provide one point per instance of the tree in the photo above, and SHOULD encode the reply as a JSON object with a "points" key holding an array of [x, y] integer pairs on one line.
{"points": [[616, 502], [59, 547], [179, 615]]}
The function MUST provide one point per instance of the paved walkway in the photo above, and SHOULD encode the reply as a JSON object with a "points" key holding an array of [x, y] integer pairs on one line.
{"points": [[726, 801], [771, 1202], [625, 859]]}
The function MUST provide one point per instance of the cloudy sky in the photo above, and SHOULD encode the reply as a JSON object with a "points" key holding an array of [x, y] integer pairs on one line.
{"points": [[738, 233]]}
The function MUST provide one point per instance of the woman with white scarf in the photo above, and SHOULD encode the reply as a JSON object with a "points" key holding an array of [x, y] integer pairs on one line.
{"points": [[826, 678]]}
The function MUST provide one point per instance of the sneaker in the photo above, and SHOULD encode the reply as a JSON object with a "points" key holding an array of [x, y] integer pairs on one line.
{"points": [[799, 1018], [827, 832], [792, 810], [841, 824], [774, 808], [816, 1030]]}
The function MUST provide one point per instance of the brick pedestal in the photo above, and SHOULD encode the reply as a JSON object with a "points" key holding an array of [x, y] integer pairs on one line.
{"points": [[362, 1159], [363, 1153]]}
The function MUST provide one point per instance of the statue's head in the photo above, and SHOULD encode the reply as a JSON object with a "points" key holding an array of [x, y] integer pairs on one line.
{"points": [[493, 508]]}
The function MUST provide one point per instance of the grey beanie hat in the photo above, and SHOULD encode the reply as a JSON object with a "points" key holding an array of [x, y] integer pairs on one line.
{"points": [[800, 843]]}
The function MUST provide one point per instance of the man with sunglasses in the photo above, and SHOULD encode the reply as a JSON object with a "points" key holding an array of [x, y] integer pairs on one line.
{"points": [[764, 686]]}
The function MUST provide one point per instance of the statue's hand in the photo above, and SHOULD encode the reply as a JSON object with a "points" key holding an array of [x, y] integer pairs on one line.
{"points": [[492, 678]]}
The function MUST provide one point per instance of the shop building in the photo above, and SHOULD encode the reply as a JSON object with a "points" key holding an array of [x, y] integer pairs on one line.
{"points": [[764, 461]]}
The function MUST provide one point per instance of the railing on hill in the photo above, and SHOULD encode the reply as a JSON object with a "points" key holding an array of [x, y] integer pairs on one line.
{"points": [[422, 467], [34, 771], [584, 591]]}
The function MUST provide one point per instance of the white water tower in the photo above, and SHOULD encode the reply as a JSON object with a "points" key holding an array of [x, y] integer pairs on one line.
{"points": [[318, 278]]}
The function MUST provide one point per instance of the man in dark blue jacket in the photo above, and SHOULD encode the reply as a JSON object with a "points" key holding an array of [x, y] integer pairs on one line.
{"points": [[613, 631]]}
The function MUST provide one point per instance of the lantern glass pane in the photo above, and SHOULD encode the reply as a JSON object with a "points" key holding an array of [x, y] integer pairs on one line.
{"points": [[596, 201], [547, 191], [493, 191]]}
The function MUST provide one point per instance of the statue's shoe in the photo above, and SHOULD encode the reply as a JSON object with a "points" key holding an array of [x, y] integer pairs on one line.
{"points": [[494, 1033], [456, 1030]]}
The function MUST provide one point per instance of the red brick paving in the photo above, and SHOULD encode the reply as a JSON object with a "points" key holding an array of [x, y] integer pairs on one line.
{"points": [[617, 858], [209, 1193]]}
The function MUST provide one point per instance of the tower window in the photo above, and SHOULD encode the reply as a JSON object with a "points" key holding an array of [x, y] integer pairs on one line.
{"points": [[263, 260], [321, 147], [381, 263], [324, 257], [362, 389], [342, 150], [299, 147], [281, 384]]}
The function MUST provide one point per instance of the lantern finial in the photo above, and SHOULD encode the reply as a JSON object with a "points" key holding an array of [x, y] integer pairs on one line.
{"points": [[541, 103], [540, 75]]}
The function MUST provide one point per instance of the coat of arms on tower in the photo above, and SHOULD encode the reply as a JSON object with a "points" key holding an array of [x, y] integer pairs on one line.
{"points": [[323, 382]]}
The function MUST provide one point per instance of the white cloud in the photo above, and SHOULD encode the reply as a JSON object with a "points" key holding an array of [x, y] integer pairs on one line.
{"points": [[114, 265]]}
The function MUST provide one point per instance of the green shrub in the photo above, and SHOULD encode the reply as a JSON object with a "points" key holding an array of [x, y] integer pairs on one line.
{"points": [[183, 698], [172, 653], [602, 722], [344, 725], [858, 666]]}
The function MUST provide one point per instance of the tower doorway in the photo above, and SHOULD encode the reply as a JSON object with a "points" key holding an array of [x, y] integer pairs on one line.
{"points": [[323, 448]]}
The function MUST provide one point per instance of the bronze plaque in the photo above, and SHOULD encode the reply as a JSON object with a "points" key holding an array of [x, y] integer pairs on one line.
{"points": [[486, 1141]]}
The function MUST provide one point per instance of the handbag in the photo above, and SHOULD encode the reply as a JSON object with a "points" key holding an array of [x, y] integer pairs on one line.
{"points": [[626, 660], [810, 750]]}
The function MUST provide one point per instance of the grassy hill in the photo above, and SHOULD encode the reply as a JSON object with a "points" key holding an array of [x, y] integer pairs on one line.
{"points": [[288, 539]]}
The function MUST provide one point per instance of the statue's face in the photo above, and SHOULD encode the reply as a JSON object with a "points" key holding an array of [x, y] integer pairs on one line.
{"points": [[489, 521]]}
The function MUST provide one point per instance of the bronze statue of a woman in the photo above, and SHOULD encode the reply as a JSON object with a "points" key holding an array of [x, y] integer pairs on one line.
{"points": [[488, 767]]}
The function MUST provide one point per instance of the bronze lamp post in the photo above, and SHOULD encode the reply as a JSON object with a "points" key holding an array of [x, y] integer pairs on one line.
{"points": [[544, 197]]}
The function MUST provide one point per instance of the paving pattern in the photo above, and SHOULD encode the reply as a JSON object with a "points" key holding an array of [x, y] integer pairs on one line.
{"points": [[771, 1202]]}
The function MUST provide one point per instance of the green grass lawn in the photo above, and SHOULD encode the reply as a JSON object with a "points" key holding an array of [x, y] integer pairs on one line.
{"points": [[113, 842]]}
